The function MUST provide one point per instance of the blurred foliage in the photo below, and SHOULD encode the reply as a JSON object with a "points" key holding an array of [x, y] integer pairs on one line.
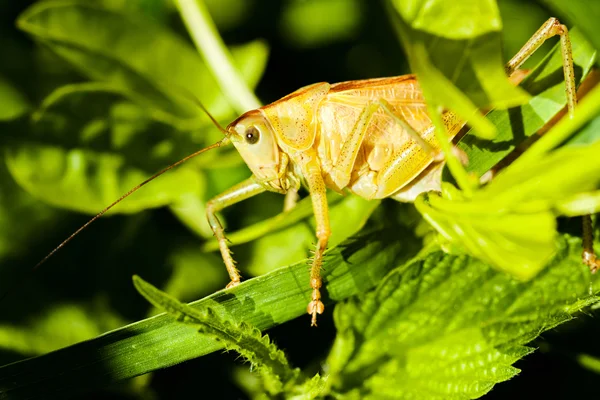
{"points": [[97, 95]]}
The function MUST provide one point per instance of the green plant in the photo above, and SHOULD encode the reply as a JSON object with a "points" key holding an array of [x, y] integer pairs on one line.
{"points": [[106, 107]]}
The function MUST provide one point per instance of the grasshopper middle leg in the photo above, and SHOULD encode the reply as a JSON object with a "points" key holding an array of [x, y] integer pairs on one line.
{"points": [[318, 194]]}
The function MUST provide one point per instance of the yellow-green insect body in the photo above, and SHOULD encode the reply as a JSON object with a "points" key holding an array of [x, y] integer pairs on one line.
{"points": [[370, 137]]}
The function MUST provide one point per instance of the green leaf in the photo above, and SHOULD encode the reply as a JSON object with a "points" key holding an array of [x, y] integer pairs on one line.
{"points": [[58, 327], [87, 181], [546, 85], [465, 20], [158, 342], [132, 53], [13, 103], [517, 243], [265, 358], [583, 13], [94, 147], [22, 217], [322, 29], [187, 281], [464, 46], [98, 147], [449, 327], [510, 223]]}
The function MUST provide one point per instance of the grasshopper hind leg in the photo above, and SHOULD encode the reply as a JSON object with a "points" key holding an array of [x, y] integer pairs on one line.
{"points": [[553, 27], [589, 256]]}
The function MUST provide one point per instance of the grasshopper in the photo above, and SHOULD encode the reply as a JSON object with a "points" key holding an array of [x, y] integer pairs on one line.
{"points": [[370, 137]]}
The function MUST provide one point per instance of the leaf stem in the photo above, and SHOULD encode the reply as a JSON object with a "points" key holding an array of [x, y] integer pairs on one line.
{"points": [[216, 55]]}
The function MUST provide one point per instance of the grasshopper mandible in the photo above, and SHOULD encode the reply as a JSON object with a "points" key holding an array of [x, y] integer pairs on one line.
{"points": [[370, 137]]}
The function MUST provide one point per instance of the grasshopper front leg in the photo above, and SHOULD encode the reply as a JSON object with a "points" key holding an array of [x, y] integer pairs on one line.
{"points": [[318, 194], [237, 193]]}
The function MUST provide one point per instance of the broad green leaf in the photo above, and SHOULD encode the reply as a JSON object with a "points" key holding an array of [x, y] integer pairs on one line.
{"points": [[187, 280], [464, 46], [465, 20], [13, 103], [88, 147], [580, 204], [323, 29], [517, 243], [510, 223], [102, 150], [130, 52], [450, 327], [58, 327], [561, 174], [351, 268], [22, 217], [546, 86], [583, 13], [87, 181]]}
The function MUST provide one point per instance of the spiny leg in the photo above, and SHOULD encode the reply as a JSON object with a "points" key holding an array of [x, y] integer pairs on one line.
{"points": [[549, 29], [414, 135], [237, 193], [342, 169], [317, 189], [291, 197], [589, 256]]}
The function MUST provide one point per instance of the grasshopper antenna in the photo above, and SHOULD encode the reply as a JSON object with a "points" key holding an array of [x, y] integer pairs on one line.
{"points": [[222, 142]]}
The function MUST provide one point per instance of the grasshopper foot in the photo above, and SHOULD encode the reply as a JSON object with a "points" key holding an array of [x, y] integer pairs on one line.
{"points": [[315, 307], [233, 283], [591, 260]]}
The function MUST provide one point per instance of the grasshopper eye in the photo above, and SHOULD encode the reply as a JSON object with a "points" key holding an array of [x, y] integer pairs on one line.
{"points": [[252, 135]]}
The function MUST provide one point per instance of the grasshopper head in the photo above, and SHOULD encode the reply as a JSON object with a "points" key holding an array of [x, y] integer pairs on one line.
{"points": [[253, 137]]}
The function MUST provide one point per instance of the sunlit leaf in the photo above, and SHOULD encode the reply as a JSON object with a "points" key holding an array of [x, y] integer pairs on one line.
{"points": [[96, 154], [449, 327], [128, 51], [547, 88], [464, 45]]}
